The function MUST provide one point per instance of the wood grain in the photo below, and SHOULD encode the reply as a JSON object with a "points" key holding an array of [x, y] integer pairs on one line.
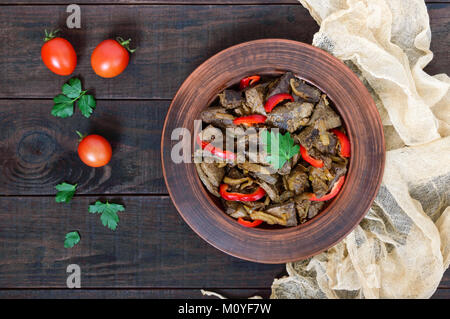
{"points": [[152, 247], [173, 40], [441, 293], [361, 120], [183, 2], [161, 293], [38, 150], [445, 282], [440, 38]]}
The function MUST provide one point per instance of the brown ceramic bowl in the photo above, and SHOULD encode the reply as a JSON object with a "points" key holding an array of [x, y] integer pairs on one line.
{"points": [[206, 216]]}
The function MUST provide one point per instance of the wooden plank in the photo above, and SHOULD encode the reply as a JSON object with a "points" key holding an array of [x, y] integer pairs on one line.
{"points": [[157, 2], [128, 293], [151, 248], [440, 38], [39, 258], [38, 150], [214, 2], [29, 129], [441, 293], [445, 282], [172, 39]]}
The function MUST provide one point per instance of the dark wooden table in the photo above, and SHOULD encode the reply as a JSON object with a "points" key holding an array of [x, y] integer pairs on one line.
{"points": [[153, 253]]}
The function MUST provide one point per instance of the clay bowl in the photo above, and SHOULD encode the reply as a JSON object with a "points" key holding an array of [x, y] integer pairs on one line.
{"points": [[205, 215]]}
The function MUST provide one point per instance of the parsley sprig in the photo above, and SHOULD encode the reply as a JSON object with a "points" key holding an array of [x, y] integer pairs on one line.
{"points": [[280, 148], [108, 213], [72, 239], [65, 192], [72, 92]]}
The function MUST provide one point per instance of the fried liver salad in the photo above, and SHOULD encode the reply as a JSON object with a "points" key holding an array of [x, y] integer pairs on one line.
{"points": [[273, 150]]}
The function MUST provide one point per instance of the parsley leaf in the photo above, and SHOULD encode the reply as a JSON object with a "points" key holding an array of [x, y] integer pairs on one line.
{"points": [[72, 91], [280, 148], [109, 211], [86, 105], [72, 239], [72, 88], [63, 106], [65, 192]]}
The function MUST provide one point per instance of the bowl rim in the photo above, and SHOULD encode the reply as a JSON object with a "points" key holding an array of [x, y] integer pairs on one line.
{"points": [[287, 230]]}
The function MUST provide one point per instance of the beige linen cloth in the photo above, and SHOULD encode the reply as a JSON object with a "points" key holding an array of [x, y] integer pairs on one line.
{"points": [[401, 248]]}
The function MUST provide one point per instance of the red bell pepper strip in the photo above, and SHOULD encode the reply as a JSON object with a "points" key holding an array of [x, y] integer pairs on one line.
{"points": [[250, 120], [215, 150], [247, 223], [311, 160], [250, 80], [344, 141], [240, 197], [275, 100], [334, 191]]}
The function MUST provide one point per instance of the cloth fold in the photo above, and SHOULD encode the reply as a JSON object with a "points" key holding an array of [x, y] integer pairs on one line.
{"points": [[402, 247]]}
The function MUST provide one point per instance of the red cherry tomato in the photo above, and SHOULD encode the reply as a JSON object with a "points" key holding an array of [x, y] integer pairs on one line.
{"points": [[94, 150], [110, 57], [58, 55]]}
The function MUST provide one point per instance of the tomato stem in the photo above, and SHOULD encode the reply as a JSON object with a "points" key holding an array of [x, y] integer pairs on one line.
{"points": [[81, 135], [125, 44], [81, 94], [50, 35]]}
